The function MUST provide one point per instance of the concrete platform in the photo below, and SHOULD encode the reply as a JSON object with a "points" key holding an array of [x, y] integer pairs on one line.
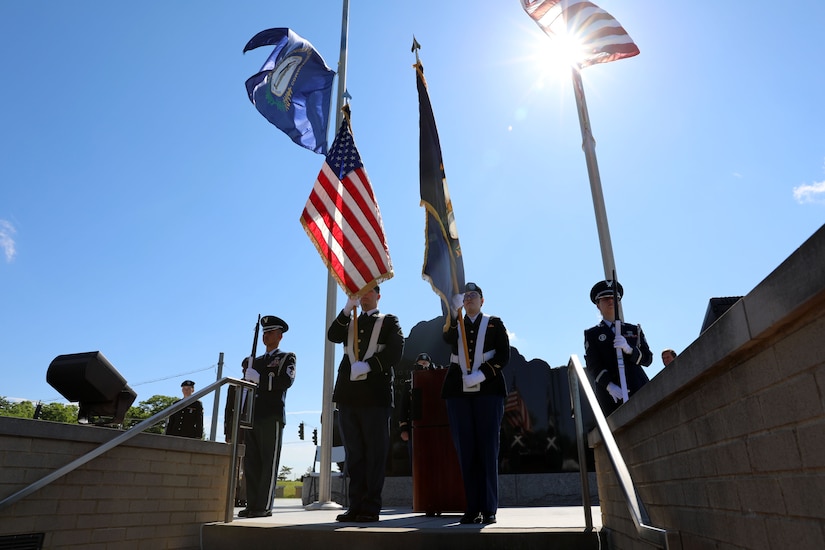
{"points": [[401, 529]]}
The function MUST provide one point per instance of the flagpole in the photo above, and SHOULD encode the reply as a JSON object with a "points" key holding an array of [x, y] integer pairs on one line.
{"points": [[327, 412], [589, 147]]}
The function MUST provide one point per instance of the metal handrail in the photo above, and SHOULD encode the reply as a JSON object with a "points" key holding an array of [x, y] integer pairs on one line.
{"points": [[635, 506], [139, 428]]}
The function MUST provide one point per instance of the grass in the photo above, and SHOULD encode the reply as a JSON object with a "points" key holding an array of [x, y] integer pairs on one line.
{"points": [[292, 489]]}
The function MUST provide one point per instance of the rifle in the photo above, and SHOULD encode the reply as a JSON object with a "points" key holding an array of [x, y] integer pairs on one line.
{"points": [[255, 341], [618, 324], [246, 414]]}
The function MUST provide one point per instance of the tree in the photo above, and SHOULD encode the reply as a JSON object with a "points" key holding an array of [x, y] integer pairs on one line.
{"points": [[59, 412], [54, 412], [284, 474], [20, 409], [146, 409]]}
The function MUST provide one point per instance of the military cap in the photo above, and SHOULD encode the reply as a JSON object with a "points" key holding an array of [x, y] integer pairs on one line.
{"points": [[270, 322], [423, 357], [472, 287], [187, 383], [605, 288]]}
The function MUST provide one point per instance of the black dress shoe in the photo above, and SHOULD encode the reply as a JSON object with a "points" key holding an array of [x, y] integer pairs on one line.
{"points": [[349, 515], [243, 513], [470, 518], [259, 513], [488, 519], [366, 518]]}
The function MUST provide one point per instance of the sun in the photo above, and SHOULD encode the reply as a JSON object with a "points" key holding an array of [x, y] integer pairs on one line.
{"points": [[561, 52]]}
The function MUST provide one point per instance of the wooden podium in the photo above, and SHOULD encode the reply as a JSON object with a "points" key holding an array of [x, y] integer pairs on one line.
{"points": [[437, 484]]}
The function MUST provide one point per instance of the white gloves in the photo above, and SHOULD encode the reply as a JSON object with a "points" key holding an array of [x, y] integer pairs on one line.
{"points": [[620, 342], [615, 392], [252, 375], [473, 379], [359, 371], [457, 302], [352, 301]]}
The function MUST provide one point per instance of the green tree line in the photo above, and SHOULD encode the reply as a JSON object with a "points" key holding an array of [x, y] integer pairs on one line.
{"points": [[59, 412]]}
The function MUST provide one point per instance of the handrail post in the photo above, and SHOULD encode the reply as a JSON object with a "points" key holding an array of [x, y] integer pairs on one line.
{"points": [[575, 399], [635, 506]]}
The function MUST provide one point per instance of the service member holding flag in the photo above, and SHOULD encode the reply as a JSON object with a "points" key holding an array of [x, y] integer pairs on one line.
{"points": [[601, 347], [373, 344], [475, 389]]}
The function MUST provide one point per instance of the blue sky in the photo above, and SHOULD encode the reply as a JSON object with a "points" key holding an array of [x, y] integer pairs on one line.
{"points": [[148, 211]]}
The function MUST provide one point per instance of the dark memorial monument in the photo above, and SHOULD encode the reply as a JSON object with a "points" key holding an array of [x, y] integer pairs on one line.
{"points": [[90, 380]]}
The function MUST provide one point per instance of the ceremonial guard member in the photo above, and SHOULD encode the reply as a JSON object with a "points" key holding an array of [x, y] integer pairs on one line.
{"points": [[363, 393], [601, 345], [475, 390], [274, 372], [187, 422]]}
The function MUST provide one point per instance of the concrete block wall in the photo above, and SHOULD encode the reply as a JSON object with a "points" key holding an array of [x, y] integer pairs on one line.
{"points": [[153, 492], [727, 445]]}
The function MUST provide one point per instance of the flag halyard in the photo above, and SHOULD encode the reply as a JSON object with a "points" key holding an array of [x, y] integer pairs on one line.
{"points": [[342, 219]]}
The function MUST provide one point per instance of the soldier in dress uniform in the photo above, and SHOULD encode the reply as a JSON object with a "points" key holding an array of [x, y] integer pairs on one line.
{"points": [[474, 389], [364, 395], [187, 422], [274, 372], [601, 345]]}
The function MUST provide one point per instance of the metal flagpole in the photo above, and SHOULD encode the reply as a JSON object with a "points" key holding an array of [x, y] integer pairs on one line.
{"points": [[327, 413], [589, 147]]}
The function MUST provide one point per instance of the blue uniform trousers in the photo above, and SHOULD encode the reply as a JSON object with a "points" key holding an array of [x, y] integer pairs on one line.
{"points": [[475, 422]]}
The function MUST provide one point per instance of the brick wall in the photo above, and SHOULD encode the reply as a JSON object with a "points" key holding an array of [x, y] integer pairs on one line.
{"points": [[727, 444], [151, 492]]}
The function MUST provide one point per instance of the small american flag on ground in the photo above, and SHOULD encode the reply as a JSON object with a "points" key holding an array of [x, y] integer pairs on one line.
{"points": [[601, 37], [516, 413], [342, 218]]}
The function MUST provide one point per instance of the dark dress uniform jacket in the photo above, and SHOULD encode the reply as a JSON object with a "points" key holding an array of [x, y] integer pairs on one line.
{"points": [[187, 422], [603, 366], [495, 339], [377, 388], [277, 375]]}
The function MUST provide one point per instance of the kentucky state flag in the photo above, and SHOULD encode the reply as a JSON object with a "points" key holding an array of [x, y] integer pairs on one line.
{"points": [[293, 88]]}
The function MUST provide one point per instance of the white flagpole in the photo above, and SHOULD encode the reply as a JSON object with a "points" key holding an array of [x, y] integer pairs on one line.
{"points": [[327, 412], [589, 147]]}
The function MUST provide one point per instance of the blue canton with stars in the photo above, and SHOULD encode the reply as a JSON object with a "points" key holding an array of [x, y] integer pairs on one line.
{"points": [[343, 158]]}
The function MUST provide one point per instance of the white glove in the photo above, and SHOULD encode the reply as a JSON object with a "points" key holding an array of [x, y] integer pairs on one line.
{"points": [[620, 342], [351, 303], [359, 370], [457, 302], [252, 375], [615, 392], [473, 379]]}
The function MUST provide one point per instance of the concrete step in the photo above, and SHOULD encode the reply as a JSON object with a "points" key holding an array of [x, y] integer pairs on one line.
{"points": [[517, 528]]}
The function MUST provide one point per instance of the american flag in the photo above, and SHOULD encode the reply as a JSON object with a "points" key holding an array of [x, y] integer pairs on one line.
{"points": [[342, 218], [601, 37], [515, 411]]}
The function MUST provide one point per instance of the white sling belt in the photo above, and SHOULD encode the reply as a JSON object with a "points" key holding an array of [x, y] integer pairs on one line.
{"points": [[372, 348], [479, 356]]}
